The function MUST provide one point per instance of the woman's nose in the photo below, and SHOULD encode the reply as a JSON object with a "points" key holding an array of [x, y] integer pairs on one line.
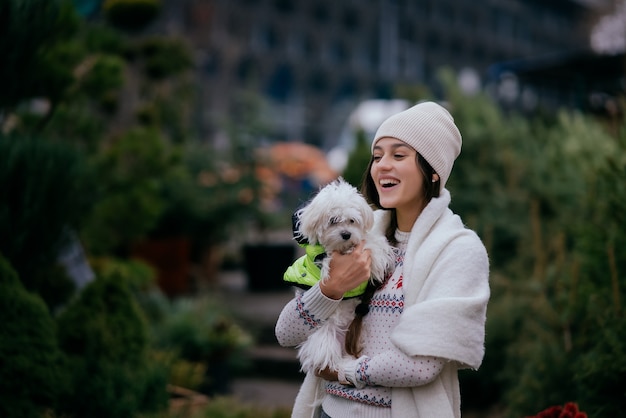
{"points": [[384, 162]]}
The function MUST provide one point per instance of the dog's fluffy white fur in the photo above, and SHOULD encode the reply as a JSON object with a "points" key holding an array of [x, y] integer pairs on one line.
{"points": [[339, 218]]}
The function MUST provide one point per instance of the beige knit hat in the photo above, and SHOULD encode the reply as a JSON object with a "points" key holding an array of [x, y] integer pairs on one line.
{"points": [[430, 130]]}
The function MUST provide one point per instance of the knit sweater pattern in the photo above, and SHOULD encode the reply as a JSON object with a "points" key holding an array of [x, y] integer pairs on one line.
{"points": [[381, 365]]}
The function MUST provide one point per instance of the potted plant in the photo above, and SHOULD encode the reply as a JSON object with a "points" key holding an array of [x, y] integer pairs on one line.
{"points": [[167, 246], [201, 330], [222, 197]]}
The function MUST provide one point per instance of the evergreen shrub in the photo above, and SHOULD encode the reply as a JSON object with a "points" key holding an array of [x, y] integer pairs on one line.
{"points": [[45, 190], [32, 372], [164, 57], [104, 336], [132, 172]]}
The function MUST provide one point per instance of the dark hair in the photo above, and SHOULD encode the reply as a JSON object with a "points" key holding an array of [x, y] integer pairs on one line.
{"points": [[354, 330], [368, 189]]}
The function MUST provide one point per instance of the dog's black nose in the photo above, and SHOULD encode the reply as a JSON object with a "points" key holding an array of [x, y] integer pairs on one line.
{"points": [[346, 235]]}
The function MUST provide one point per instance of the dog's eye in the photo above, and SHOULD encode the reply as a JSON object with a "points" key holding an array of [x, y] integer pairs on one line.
{"points": [[352, 221], [334, 221]]}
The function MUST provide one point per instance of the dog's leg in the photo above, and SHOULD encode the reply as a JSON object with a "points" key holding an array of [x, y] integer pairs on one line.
{"points": [[383, 257]]}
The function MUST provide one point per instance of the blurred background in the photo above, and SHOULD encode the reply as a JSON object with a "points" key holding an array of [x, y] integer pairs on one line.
{"points": [[152, 153]]}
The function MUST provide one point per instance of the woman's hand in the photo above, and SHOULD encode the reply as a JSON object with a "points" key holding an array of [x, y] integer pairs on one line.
{"points": [[347, 271], [327, 374]]}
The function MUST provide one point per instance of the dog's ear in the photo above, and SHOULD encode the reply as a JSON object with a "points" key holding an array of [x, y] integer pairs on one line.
{"points": [[368, 215], [295, 225], [311, 220]]}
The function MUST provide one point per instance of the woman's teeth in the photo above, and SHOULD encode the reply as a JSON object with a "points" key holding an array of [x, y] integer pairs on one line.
{"points": [[388, 182]]}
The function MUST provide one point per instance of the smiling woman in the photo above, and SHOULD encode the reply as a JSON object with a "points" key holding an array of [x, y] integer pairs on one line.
{"points": [[426, 320]]}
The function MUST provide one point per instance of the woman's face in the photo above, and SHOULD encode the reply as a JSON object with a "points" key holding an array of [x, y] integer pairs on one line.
{"points": [[398, 180]]}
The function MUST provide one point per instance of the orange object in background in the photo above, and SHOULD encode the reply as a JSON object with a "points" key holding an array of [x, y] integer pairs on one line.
{"points": [[300, 160]]}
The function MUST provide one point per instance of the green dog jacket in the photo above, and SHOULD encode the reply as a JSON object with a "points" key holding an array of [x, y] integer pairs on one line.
{"points": [[304, 273]]}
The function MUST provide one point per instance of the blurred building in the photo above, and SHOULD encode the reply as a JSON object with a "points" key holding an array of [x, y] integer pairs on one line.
{"points": [[315, 60], [587, 81]]}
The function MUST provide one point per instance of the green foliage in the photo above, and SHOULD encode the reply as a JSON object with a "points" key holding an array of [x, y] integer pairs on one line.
{"points": [[26, 28], [358, 160], [45, 189], [32, 372], [104, 78], [53, 284], [102, 64], [131, 173], [105, 324], [93, 65], [51, 75], [183, 373], [164, 57], [201, 330], [489, 169], [599, 375], [547, 196], [74, 123], [225, 193], [105, 40], [578, 308], [105, 338], [168, 107], [138, 275], [80, 71]]}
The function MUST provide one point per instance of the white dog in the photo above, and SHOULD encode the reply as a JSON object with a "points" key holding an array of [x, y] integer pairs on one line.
{"points": [[339, 218]]}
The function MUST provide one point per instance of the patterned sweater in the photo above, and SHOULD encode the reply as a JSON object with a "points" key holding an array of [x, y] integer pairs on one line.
{"points": [[381, 365]]}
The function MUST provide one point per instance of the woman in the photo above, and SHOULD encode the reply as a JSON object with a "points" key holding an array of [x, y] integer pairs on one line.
{"points": [[427, 320]]}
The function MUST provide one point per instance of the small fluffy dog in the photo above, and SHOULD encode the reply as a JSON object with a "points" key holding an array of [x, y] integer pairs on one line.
{"points": [[338, 218]]}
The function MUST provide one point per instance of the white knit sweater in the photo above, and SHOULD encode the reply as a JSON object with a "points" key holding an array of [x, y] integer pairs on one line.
{"points": [[445, 290]]}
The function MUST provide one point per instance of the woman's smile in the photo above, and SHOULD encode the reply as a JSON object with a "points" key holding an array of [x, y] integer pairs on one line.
{"points": [[398, 179]]}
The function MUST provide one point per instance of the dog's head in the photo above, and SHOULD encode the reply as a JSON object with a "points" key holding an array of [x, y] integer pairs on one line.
{"points": [[337, 217]]}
